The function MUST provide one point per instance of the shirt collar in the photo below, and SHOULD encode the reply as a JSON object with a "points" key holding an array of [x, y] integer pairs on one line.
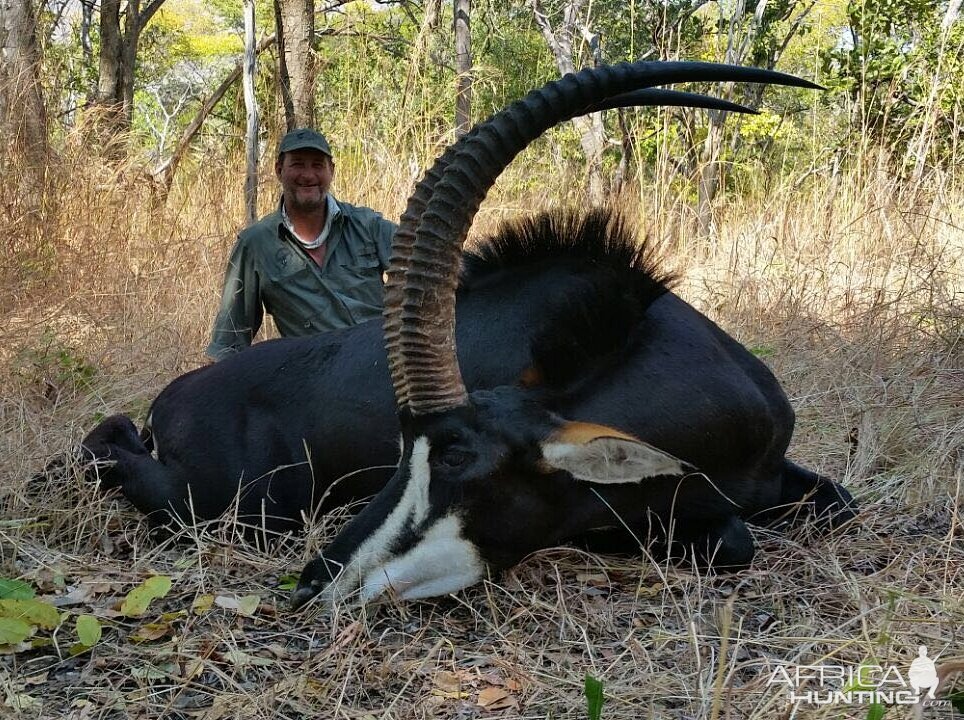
{"points": [[333, 210]]}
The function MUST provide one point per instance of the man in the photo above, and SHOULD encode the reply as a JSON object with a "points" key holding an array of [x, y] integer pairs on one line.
{"points": [[315, 264]]}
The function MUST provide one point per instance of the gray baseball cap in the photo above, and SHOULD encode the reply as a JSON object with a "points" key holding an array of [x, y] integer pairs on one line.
{"points": [[304, 139]]}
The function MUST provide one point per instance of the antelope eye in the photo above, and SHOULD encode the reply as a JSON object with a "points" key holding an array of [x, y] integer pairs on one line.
{"points": [[452, 456]]}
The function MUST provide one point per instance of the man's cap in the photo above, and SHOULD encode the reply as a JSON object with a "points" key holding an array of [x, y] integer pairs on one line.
{"points": [[304, 139]]}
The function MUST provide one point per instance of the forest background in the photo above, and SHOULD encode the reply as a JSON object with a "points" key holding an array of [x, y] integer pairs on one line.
{"points": [[824, 232]]}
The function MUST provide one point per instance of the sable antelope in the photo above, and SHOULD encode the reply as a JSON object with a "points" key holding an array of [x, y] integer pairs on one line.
{"points": [[634, 413], [273, 428], [666, 417]]}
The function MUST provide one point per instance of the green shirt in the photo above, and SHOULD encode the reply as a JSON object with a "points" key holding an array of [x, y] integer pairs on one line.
{"points": [[270, 271]]}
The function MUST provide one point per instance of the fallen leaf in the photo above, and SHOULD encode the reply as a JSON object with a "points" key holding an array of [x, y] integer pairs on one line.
{"points": [[151, 631], [35, 612], [451, 685], [38, 679], [148, 672], [248, 605], [227, 602], [22, 702], [89, 630], [137, 600], [202, 603], [513, 685], [491, 696], [15, 590], [347, 635], [14, 631], [242, 659]]}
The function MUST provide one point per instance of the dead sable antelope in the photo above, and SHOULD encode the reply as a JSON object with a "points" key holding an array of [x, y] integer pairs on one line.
{"points": [[603, 408], [633, 412]]}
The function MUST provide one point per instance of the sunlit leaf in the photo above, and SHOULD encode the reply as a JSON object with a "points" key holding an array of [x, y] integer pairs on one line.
{"points": [[13, 631], [89, 630], [137, 600], [35, 612]]}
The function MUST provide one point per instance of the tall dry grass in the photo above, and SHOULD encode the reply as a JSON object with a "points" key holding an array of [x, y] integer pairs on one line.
{"points": [[850, 286]]}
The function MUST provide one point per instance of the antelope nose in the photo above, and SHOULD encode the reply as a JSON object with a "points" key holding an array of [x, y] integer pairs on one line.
{"points": [[301, 596]]}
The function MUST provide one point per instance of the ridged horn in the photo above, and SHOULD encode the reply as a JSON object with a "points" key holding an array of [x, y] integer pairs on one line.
{"points": [[421, 339], [417, 202]]}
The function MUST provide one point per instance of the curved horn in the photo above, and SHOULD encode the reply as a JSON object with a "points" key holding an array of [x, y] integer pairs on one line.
{"points": [[422, 347], [404, 237], [671, 98]]}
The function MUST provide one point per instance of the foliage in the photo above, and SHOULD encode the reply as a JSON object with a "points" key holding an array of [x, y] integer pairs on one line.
{"points": [[904, 74], [593, 689]]}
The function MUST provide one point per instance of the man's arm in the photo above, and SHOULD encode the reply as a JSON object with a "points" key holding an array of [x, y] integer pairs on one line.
{"points": [[383, 231], [241, 313]]}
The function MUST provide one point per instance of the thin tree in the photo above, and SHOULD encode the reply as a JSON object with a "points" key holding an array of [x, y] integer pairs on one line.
{"points": [[251, 106], [462, 13], [592, 132]]}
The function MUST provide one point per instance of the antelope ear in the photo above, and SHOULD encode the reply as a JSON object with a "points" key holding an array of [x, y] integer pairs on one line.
{"points": [[600, 454]]}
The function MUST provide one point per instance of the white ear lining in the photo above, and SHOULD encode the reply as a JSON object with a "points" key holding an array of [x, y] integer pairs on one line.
{"points": [[611, 460]]}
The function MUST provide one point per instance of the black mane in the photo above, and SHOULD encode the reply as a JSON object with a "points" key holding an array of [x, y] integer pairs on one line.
{"points": [[616, 277]]}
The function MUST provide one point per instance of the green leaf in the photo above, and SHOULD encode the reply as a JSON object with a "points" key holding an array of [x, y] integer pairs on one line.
{"points": [[15, 590], [35, 612], [13, 631], [288, 582], [89, 630], [137, 600], [594, 697], [876, 711]]}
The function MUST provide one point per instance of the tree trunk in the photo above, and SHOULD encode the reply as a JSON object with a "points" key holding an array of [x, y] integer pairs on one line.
{"points": [[709, 177], [118, 61], [23, 114], [462, 11], [108, 84], [251, 106], [295, 21], [592, 132]]}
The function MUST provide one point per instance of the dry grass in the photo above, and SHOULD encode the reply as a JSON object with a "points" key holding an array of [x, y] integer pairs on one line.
{"points": [[853, 294]]}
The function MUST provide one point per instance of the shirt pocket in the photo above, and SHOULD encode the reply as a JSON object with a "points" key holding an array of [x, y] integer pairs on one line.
{"points": [[360, 285]]}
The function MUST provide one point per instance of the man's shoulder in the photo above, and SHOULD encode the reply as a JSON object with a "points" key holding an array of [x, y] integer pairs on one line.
{"points": [[360, 213], [265, 227]]}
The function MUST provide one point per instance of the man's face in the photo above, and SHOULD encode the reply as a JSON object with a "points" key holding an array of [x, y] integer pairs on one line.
{"points": [[305, 177]]}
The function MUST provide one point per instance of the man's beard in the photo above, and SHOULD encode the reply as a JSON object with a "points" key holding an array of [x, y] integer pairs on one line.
{"points": [[313, 201]]}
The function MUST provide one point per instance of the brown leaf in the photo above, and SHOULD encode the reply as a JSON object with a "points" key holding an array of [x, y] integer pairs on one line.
{"points": [[152, 631], [496, 698], [513, 685], [451, 685]]}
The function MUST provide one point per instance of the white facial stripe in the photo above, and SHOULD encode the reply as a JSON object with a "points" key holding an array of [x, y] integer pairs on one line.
{"points": [[440, 563], [412, 507]]}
